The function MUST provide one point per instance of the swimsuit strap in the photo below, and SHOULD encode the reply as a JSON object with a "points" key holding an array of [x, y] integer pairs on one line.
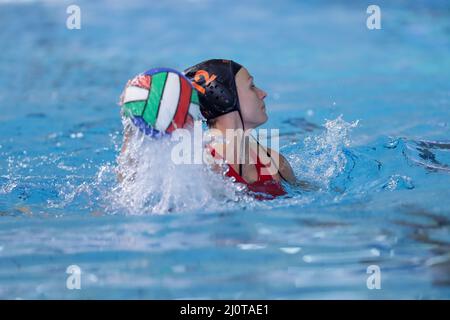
{"points": [[264, 184], [270, 157], [238, 176], [258, 166], [232, 172]]}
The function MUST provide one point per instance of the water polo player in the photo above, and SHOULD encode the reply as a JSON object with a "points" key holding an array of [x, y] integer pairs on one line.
{"points": [[161, 100], [228, 100]]}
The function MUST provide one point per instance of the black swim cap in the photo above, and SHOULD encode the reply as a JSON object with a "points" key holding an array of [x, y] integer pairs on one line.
{"points": [[215, 82]]}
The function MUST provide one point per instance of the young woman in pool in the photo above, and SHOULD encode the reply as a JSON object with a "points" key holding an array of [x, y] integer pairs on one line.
{"points": [[228, 100]]}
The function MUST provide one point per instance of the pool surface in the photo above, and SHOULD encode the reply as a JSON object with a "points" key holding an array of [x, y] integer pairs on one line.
{"points": [[362, 113]]}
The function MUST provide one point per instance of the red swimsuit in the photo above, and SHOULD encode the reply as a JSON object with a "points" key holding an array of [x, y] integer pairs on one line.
{"points": [[266, 186]]}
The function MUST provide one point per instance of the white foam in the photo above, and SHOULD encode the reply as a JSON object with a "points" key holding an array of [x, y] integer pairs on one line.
{"points": [[153, 183]]}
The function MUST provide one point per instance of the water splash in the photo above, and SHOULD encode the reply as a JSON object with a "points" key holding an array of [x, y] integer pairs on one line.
{"points": [[151, 183], [397, 182], [322, 158], [144, 180]]}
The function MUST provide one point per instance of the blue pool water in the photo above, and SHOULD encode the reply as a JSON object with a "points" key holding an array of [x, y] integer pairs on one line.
{"points": [[364, 114]]}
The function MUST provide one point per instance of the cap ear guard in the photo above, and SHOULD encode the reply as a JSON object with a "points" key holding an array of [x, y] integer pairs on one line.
{"points": [[220, 95], [216, 100]]}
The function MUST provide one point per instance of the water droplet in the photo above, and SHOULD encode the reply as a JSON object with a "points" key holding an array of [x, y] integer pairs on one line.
{"points": [[392, 144], [290, 250]]}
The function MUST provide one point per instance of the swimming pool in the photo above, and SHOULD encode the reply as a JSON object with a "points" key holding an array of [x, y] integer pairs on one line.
{"points": [[364, 113]]}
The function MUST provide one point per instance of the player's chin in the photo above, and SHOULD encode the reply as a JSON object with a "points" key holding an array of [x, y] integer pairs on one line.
{"points": [[263, 118]]}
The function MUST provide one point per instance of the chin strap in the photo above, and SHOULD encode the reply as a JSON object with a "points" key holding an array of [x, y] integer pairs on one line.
{"points": [[258, 145], [270, 157], [240, 155]]}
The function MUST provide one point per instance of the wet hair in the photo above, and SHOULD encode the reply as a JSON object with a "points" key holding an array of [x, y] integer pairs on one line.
{"points": [[211, 122]]}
